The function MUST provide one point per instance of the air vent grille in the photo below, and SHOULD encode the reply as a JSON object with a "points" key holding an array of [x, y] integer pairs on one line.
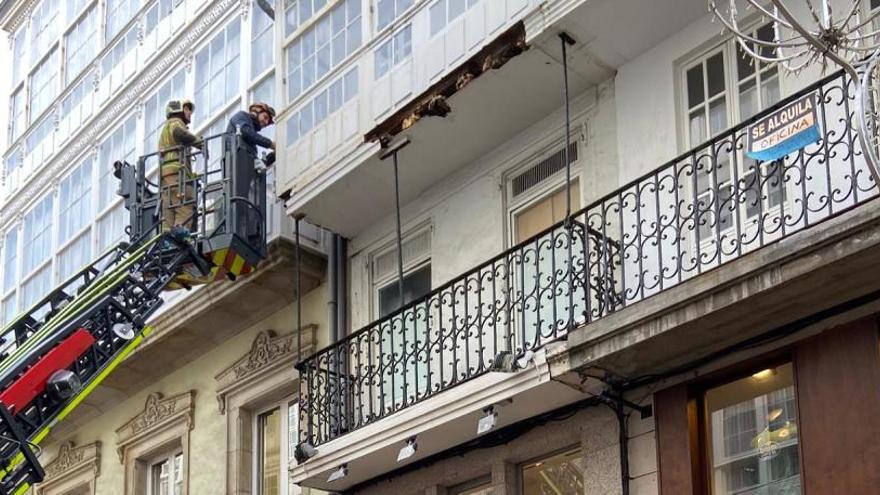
{"points": [[543, 170]]}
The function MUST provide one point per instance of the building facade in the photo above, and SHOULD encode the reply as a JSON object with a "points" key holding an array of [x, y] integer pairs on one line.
{"points": [[621, 304], [668, 316], [207, 403]]}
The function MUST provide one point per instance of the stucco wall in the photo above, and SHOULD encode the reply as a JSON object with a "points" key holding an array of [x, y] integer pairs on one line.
{"points": [[208, 438], [648, 90]]}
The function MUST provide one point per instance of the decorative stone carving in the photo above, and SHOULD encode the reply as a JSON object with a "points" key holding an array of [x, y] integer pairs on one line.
{"points": [[139, 109], [73, 466], [244, 8], [69, 457], [158, 413], [140, 30], [120, 103], [264, 374], [188, 60], [24, 15], [269, 353], [265, 350]]}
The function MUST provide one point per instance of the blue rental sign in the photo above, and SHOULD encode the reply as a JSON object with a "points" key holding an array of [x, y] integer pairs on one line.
{"points": [[786, 130]]}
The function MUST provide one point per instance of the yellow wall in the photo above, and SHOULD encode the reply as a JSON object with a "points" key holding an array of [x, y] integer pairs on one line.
{"points": [[207, 473]]}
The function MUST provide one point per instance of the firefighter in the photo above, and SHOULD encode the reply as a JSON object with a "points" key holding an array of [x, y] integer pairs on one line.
{"points": [[173, 139], [250, 123], [248, 126]]}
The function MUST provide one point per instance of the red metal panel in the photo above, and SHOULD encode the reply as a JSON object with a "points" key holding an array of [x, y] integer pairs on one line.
{"points": [[34, 380]]}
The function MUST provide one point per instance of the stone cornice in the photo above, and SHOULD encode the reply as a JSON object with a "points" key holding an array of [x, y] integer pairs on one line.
{"points": [[122, 102], [17, 15], [269, 353], [158, 413], [70, 458]]}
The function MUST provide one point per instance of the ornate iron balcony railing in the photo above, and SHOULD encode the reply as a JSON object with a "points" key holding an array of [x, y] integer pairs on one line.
{"points": [[706, 207]]}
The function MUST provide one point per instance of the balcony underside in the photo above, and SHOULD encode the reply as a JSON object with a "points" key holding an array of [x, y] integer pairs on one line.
{"points": [[438, 423], [487, 112]]}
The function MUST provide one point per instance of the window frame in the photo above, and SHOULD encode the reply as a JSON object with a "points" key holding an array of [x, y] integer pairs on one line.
{"points": [[696, 391], [420, 262], [222, 30], [284, 405], [549, 186], [737, 183], [170, 456], [468, 4], [395, 16], [38, 52], [294, 123], [52, 56], [301, 37], [394, 58], [91, 8]]}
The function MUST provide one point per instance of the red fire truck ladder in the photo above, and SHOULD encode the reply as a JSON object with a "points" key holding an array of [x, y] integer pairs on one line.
{"points": [[60, 349]]}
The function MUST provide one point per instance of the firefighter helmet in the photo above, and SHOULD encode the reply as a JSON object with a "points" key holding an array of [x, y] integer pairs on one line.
{"points": [[258, 107], [177, 105]]}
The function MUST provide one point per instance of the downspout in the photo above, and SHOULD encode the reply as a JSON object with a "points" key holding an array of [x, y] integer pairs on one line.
{"points": [[342, 286], [624, 448], [333, 289]]}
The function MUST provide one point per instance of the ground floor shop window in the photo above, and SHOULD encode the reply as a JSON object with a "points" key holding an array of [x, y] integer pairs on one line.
{"points": [[561, 474], [752, 435]]}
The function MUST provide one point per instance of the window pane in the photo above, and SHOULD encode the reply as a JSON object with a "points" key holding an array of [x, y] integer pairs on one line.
{"points": [[715, 74], [37, 235], [560, 475], [262, 42], [415, 285], [697, 128], [270, 453], [161, 477], [456, 8], [717, 116], [695, 86], [744, 63], [438, 17], [10, 259], [769, 89], [752, 434], [748, 99]]}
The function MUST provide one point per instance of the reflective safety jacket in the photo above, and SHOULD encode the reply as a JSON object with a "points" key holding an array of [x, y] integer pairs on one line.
{"points": [[175, 133]]}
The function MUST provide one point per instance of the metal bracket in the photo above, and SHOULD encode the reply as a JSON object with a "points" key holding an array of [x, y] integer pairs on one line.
{"points": [[617, 400]]}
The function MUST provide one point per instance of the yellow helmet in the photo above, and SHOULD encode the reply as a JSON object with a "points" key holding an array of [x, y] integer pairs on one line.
{"points": [[177, 105]]}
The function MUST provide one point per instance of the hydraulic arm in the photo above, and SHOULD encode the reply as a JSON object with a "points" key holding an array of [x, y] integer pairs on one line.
{"points": [[60, 349]]}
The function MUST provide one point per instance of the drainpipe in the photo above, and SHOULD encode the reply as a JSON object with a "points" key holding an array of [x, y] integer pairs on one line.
{"points": [[341, 286], [333, 289], [624, 448]]}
